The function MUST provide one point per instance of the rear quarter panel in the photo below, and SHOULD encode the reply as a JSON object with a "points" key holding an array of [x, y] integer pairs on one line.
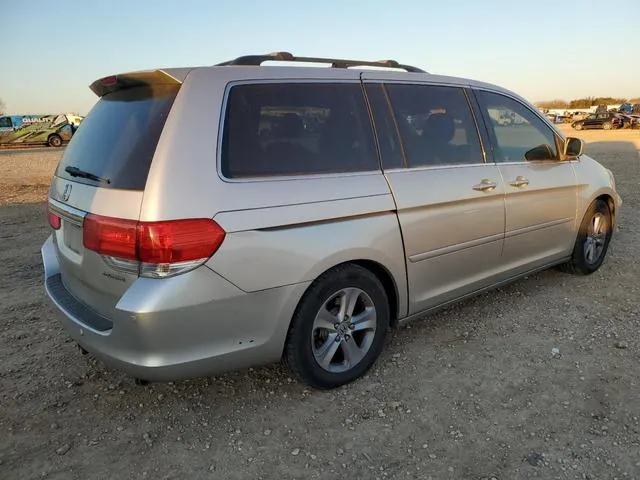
{"points": [[259, 259]]}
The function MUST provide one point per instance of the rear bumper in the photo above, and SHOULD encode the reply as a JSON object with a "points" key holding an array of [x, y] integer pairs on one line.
{"points": [[191, 325]]}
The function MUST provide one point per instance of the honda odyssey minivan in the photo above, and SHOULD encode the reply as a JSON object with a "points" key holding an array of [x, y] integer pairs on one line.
{"points": [[215, 218]]}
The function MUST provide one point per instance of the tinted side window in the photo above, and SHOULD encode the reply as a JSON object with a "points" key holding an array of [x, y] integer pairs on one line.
{"points": [[5, 122], [518, 133], [388, 142], [296, 129], [436, 125]]}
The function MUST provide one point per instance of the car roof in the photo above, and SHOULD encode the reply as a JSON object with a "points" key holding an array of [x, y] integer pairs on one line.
{"points": [[250, 67]]}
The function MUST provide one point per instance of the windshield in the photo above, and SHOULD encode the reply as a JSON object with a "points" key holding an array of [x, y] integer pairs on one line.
{"points": [[118, 137]]}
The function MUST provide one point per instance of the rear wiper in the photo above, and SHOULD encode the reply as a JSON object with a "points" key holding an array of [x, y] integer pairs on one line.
{"points": [[77, 172]]}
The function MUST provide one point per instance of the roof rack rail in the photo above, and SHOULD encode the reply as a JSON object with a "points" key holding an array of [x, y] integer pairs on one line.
{"points": [[257, 60]]}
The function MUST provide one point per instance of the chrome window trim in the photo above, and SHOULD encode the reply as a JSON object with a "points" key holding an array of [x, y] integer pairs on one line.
{"points": [[68, 212], [438, 167], [524, 103], [285, 178], [476, 121], [557, 133], [468, 165], [539, 162], [483, 161], [424, 81]]}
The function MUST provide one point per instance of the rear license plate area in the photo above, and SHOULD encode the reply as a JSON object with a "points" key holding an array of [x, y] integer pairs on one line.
{"points": [[72, 236]]}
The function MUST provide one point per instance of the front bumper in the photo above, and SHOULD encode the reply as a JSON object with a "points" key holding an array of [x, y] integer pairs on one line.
{"points": [[191, 325]]}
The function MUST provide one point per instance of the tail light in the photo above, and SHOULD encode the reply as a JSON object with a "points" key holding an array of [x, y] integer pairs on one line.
{"points": [[54, 220], [109, 81], [152, 249]]}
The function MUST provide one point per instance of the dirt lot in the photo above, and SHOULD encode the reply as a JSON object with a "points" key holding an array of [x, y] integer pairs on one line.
{"points": [[471, 393]]}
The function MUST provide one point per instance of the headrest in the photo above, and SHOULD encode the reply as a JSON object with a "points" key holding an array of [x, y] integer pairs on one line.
{"points": [[439, 127]]}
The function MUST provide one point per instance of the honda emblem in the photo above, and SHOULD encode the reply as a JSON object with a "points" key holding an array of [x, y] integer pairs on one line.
{"points": [[67, 192]]}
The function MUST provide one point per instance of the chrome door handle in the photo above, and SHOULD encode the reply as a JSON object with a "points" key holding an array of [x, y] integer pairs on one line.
{"points": [[485, 186], [520, 182]]}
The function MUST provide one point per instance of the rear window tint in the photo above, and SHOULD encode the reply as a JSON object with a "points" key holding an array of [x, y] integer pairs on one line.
{"points": [[296, 129], [436, 125], [119, 136]]}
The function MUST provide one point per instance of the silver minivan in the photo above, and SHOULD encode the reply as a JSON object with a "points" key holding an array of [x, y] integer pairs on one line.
{"points": [[215, 218]]}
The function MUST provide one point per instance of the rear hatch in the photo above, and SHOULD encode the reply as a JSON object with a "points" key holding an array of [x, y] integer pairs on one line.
{"points": [[99, 183]]}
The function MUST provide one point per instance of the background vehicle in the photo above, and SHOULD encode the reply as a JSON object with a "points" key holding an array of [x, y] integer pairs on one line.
{"points": [[575, 116], [52, 130], [605, 120], [628, 108], [627, 120], [187, 241]]}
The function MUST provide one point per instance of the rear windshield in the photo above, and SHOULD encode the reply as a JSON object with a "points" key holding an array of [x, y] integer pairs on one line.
{"points": [[117, 139]]}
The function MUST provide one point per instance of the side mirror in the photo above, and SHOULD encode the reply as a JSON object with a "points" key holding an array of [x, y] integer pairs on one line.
{"points": [[573, 147], [539, 153]]}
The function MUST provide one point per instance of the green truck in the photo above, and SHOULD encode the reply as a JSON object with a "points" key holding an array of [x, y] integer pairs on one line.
{"points": [[37, 130]]}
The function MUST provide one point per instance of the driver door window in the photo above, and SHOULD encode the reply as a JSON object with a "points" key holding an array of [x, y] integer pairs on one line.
{"points": [[517, 134]]}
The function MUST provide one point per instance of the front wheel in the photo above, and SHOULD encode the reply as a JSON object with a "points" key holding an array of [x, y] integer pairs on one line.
{"points": [[578, 126], [593, 240], [54, 140], [338, 330], [607, 125]]}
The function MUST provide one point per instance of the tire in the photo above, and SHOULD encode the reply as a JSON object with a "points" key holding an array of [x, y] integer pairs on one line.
{"points": [[54, 140], [578, 126], [606, 125], [312, 338], [582, 261]]}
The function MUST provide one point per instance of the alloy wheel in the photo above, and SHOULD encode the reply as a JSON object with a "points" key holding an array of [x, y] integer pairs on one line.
{"points": [[595, 240], [343, 330]]}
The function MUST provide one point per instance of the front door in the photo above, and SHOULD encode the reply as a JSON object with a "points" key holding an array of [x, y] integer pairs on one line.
{"points": [[450, 203], [591, 121], [541, 192]]}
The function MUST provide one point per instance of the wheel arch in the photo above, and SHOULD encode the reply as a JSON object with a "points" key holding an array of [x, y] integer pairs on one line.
{"points": [[388, 282], [381, 272], [376, 268], [605, 197]]}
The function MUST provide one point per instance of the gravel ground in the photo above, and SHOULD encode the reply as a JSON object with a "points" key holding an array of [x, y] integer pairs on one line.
{"points": [[25, 175], [474, 392]]}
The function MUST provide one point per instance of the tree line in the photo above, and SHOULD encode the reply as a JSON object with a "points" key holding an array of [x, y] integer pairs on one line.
{"points": [[586, 102]]}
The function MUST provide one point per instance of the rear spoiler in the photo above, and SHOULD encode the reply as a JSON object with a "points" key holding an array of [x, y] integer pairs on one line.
{"points": [[112, 83]]}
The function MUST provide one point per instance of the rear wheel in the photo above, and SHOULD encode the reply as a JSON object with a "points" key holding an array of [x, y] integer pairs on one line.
{"points": [[54, 140], [606, 125], [338, 330], [578, 126], [593, 240]]}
